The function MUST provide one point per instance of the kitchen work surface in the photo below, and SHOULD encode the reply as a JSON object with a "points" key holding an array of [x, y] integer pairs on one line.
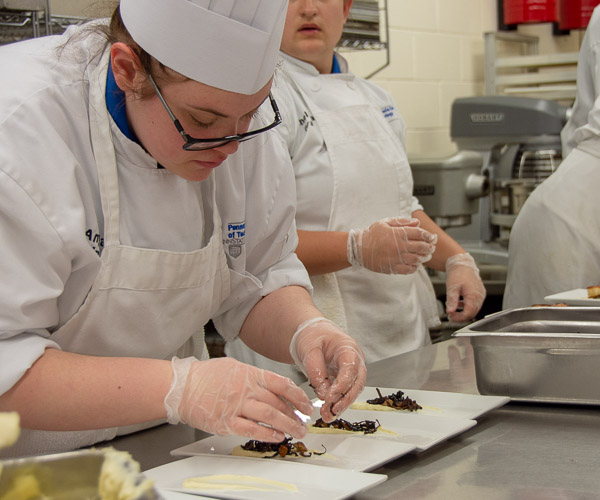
{"points": [[239, 478], [521, 450]]}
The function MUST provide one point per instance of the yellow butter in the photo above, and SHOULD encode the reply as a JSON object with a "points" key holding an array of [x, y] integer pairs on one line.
{"points": [[237, 482], [10, 428]]}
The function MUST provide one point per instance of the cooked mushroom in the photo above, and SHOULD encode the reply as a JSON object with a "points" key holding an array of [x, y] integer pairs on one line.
{"points": [[282, 449], [365, 426]]}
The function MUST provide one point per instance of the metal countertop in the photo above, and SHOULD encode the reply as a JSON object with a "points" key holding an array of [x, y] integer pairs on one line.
{"points": [[519, 451]]}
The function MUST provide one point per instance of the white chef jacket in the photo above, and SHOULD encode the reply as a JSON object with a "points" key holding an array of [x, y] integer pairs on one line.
{"points": [[555, 239], [51, 220], [386, 314], [584, 121]]}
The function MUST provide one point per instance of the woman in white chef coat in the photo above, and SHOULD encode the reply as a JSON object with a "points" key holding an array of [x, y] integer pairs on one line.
{"points": [[554, 241], [130, 214], [363, 236]]}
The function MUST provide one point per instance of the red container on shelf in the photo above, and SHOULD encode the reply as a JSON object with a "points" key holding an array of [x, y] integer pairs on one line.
{"points": [[530, 11], [575, 14]]}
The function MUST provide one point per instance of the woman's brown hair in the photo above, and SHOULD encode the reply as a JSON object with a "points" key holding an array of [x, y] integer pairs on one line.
{"points": [[116, 32]]}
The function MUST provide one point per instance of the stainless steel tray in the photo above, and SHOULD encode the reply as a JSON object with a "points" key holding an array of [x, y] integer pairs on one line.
{"points": [[542, 354], [62, 476]]}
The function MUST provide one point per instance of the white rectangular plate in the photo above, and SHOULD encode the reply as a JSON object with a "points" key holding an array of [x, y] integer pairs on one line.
{"points": [[577, 297], [343, 452], [175, 495], [313, 482], [423, 431], [442, 404]]}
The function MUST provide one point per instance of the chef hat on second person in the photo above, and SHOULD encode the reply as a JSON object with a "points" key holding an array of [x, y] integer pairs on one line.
{"points": [[232, 45]]}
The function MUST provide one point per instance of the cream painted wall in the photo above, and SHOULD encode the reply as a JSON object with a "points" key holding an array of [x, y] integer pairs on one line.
{"points": [[436, 55]]}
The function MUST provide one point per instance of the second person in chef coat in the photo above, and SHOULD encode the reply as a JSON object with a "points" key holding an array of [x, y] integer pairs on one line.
{"points": [[363, 236]]}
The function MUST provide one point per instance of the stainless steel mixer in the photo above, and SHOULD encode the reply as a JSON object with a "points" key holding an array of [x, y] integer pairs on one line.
{"points": [[449, 188], [519, 139], [510, 144]]}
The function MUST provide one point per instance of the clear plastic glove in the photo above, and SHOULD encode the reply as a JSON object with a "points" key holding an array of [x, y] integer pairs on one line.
{"points": [[391, 246], [462, 280], [333, 363], [224, 396]]}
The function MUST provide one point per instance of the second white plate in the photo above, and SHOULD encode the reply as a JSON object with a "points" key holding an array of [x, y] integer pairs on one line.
{"points": [[422, 431]]}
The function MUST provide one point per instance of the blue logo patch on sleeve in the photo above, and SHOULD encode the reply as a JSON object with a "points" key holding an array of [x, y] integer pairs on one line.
{"points": [[388, 111]]}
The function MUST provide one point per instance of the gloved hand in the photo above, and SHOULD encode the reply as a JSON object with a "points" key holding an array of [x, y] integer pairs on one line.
{"points": [[333, 363], [391, 246], [224, 396], [462, 280]]}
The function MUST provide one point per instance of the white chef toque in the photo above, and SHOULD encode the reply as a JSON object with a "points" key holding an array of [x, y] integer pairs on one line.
{"points": [[228, 44]]}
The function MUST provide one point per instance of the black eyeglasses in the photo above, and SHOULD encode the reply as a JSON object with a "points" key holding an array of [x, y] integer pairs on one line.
{"points": [[193, 144]]}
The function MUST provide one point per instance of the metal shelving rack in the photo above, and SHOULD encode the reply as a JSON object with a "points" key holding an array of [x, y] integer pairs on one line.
{"points": [[547, 76], [23, 19], [364, 30]]}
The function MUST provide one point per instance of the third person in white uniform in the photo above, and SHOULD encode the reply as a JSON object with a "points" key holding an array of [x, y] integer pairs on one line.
{"points": [[554, 242]]}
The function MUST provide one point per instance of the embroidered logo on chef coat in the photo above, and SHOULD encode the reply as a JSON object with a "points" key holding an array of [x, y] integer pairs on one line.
{"points": [[388, 111], [306, 121], [236, 238]]}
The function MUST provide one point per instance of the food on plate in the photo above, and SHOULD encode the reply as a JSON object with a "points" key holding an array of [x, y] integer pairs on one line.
{"points": [[593, 292], [397, 401], [364, 426], [392, 402], [238, 482], [271, 450], [560, 304]]}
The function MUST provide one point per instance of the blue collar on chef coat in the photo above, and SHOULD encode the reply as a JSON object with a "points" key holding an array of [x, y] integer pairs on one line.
{"points": [[336, 65], [115, 102]]}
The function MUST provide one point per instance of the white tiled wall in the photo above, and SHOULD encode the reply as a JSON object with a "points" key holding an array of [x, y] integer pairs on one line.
{"points": [[436, 55]]}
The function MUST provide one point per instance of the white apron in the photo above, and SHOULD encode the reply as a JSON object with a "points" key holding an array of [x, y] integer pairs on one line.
{"points": [[386, 314], [144, 302]]}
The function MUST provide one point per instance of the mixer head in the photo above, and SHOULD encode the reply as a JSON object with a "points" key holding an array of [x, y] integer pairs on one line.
{"points": [[482, 123]]}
